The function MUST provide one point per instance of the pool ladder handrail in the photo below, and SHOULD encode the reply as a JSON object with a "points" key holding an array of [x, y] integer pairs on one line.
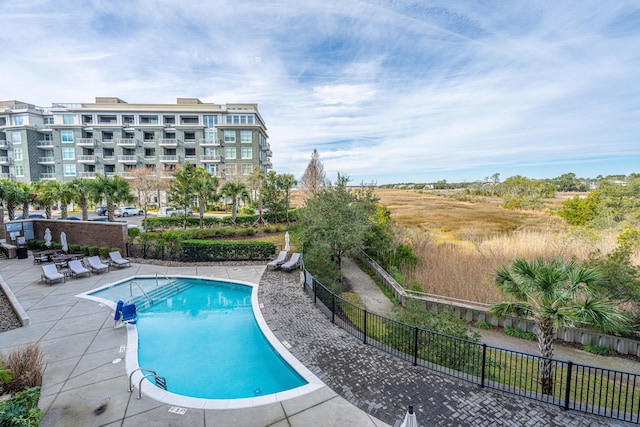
{"points": [[161, 382], [131, 283], [170, 281]]}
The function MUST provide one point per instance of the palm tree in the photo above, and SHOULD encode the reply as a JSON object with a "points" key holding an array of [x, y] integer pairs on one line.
{"points": [[27, 196], [113, 190], [287, 182], [48, 193], [66, 196], [12, 195], [82, 192], [205, 187], [235, 191], [556, 294]]}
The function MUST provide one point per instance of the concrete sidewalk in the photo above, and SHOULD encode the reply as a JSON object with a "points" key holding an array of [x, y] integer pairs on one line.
{"points": [[85, 383]]}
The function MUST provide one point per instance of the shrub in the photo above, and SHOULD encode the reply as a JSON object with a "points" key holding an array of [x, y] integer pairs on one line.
{"points": [[75, 248], [114, 250], [204, 250], [519, 333], [483, 325], [134, 232], [26, 369], [85, 250], [22, 409], [104, 252], [602, 350], [94, 250]]}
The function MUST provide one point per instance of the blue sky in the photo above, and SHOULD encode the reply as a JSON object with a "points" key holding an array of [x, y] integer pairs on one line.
{"points": [[386, 91]]}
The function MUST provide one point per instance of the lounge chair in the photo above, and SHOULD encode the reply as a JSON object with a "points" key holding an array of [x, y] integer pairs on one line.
{"points": [[276, 263], [117, 260], [77, 269], [50, 274], [96, 265], [292, 263], [125, 314], [40, 258]]}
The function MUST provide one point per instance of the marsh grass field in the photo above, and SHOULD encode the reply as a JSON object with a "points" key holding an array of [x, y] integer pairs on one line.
{"points": [[461, 243]]}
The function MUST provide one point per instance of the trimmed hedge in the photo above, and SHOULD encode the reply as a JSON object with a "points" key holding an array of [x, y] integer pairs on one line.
{"points": [[205, 250]]}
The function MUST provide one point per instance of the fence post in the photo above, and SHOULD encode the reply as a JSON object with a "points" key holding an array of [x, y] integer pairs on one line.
{"points": [[365, 326], [567, 385], [333, 307], [415, 346], [484, 364], [315, 296]]}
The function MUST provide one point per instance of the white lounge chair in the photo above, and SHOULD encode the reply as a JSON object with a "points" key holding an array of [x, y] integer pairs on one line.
{"points": [[117, 260], [276, 263], [50, 274], [96, 265], [292, 263], [77, 269]]}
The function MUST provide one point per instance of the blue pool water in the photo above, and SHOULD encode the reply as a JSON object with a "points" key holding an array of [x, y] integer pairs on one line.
{"points": [[206, 342]]}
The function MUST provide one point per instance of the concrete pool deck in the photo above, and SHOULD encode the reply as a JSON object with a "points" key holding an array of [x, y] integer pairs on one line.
{"points": [[82, 386]]}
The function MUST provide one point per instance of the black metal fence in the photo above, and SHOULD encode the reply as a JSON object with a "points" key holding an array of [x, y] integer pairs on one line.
{"points": [[583, 388]]}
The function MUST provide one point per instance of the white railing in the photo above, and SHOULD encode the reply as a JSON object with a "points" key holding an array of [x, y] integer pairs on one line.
{"points": [[90, 175], [208, 143], [47, 176], [126, 142], [150, 158], [109, 158], [168, 142], [44, 143], [108, 141], [169, 159], [5, 160], [190, 157], [87, 159], [46, 160], [190, 141], [150, 141], [4, 145], [210, 158], [128, 159], [86, 142]]}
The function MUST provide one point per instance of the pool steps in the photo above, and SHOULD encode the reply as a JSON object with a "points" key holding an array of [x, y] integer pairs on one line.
{"points": [[152, 297]]}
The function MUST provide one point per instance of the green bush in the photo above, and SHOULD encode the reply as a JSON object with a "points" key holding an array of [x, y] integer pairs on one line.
{"points": [[75, 248], [519, 333], [21, 409], [133, 232], [483, 325], [602, 350], [94, 250], [85, 250], [104, 252], [205, 250], [115, 250]]}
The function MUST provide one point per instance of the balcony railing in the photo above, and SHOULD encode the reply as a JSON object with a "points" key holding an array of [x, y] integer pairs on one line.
{"points": [[126, 142], [108, 141], [87, 159], [49, 175], [90, 175], [190, 141], [190, 157], [109, 158], [109, 174], [128, 159], [210, 159], [208, 143], [46, 161], [150, 158], [44, 143], [169, 159], [6, 176], [86, 142], [4, 145], [168, 142], [5, 160], [150, 141]]}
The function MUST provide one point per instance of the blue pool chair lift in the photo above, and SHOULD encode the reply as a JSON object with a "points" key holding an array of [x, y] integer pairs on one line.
{"points": [[125, 313]]}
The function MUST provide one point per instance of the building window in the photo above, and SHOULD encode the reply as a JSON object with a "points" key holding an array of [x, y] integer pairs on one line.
{"points": [[48, 120], [229, 136], [246, 136], [18, 120], [19, 170], [247, 153], [107, 136], [67, 119], [17, 154], [247, 168], [69, 170], [230, 153], [149, 136], [16, 137], [149, 120], [66, 136], [210, 121], [212, 169], [250, 120], [210, 136], [68, 153]]}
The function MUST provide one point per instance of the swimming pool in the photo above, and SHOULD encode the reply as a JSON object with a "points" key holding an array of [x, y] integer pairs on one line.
{"points": [[208, 338]]}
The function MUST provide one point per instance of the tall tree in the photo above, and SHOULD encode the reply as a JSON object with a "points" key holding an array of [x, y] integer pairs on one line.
{"points": [[48, 193], [82, 192], [112, 190], [181, 191], [287, 182], [556, 294], [205, 187], [235, 191], [255, 180], [313, 179], [12, 194], [28, 196], [66, 195], [145, 182]]}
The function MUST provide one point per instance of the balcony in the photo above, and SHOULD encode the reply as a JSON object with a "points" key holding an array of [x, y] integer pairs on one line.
{"points": [[128, 159], [5, 160], [109, 158], [6, 176], [49, 175], [190, 142], [168, 142], [45, 143], [169, 159], [89, 175], [109, 174], [86, 142], [149, 142], [210, 159], [150, 158], [4, 145], [208, 143], [190, 157], [108, 141], [126, 142], [46, 161], [86, 159]]}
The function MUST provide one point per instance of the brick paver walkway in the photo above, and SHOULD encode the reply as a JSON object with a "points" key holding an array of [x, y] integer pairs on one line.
{"points": [[383, 385]]}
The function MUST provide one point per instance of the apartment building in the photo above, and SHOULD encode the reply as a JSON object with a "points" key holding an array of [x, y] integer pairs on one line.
{"points": [[112, 137]]}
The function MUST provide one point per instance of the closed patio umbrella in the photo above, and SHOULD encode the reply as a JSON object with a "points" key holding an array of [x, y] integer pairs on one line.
{"points": [[47, 237], [63, 241], [410, 419], [286, 241]]}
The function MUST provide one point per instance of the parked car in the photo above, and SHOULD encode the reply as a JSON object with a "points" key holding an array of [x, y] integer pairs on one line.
{"points": [[101, 210], [129, 210], [32, 216], [173, 211], [72, 218]]}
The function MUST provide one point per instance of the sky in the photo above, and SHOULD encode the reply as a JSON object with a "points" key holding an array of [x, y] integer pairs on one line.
{"points": [[387, 91]]}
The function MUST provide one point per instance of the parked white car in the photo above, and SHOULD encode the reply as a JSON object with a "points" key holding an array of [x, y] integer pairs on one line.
{"points": [[129, 210], [173, 211]]}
